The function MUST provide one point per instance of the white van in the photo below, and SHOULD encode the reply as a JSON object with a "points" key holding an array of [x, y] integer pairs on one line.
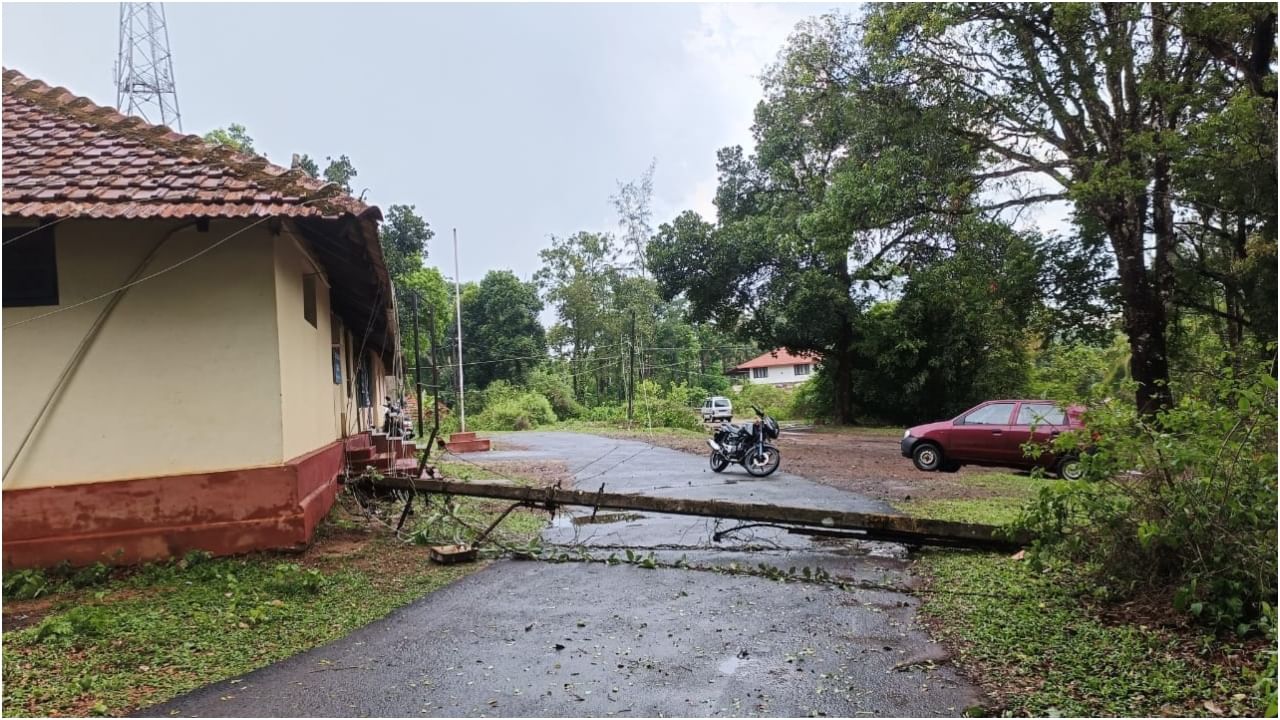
{"points": [[717, 408]]}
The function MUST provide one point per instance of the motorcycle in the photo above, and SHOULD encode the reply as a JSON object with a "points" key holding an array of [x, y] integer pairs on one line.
{"points": [[394, 422], [747, 445]]}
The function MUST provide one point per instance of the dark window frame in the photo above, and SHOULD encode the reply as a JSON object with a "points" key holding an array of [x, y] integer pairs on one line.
{"points": [[759, 373], [309, 300], [30, 252]]}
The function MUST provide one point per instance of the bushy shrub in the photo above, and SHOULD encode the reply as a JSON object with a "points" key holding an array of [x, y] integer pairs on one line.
{"points": [[656, 408], [78, 623], [812, 400], [1184, 501], [558, 390], [510, 408], [25, 584], [775, 401]]}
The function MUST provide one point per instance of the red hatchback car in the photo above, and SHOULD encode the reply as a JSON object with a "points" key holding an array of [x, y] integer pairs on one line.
{"points": [[993, 433]]}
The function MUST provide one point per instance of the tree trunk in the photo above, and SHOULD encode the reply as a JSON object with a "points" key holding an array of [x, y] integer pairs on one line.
{"points": [[1145, 318]]}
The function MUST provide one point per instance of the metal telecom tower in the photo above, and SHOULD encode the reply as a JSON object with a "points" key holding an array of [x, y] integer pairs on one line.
{"points": [[144, 67]]}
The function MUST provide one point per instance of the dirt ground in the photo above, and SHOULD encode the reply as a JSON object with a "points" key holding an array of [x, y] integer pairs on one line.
{"points": [[867, 461]]}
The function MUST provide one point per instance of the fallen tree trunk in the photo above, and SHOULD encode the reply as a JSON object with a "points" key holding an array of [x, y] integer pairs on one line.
{"points": [[870, 526]]}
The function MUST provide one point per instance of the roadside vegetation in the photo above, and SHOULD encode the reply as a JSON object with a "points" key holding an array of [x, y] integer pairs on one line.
{"points": [[1040, 645], [877, 222], [107, 641]]}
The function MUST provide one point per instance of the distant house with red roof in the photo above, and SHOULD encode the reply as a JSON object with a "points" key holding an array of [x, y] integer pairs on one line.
{"points": [[776, 367], [194, 339]]}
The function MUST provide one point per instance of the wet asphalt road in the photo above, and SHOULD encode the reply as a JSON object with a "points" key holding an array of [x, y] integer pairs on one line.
{"points": [[542, 639]]}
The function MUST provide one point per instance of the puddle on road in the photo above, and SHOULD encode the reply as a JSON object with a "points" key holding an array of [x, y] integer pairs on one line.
{"points": [[562, 520]]}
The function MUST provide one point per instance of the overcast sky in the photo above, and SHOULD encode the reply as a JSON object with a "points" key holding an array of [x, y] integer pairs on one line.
{"points": [[510, 122]]}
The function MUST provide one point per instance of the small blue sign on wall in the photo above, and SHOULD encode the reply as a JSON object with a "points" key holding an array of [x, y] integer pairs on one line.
{"points": [[337, 367]]}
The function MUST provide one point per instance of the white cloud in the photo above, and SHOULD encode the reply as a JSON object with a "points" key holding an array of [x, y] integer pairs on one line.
{"points": [[729, 49]]}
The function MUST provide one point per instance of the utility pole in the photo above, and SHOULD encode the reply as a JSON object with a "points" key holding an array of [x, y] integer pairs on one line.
{"points": [[631, 389], [435, 382], [144, 66], [417, 362], [457, 311]]}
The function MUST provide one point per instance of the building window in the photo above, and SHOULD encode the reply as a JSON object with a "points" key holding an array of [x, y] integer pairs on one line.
{"points": [[335, 340], [802, 369], [30, 267], [309, 299], [759, 373]]}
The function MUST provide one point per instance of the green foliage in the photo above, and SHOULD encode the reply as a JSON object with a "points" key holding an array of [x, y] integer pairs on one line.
{"points": [[404, 236], [1049, 656], [25, 584], [1186, 499], [1074, 373], [511, 408], [776, 401], [340, 172], [291, 579], [74, 626], [503, 336], [234, 136], [669, 408], [164, 629], [557, 388]]}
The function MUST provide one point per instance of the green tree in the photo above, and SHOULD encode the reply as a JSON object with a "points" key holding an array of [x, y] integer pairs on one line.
{"points": [[234, 136], [502, 338], [633, 203], [404, 236], [340, 172], [1097, 100], [849, 189]]}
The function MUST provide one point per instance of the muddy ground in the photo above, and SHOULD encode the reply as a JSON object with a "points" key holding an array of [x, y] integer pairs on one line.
{"points": [[865, 461]]}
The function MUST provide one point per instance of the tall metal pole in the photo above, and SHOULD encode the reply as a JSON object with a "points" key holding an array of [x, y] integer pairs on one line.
{"points": [[417, 362], [631, 390], [457, 311]]}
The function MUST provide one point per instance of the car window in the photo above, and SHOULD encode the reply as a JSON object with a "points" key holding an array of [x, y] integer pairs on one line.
{"points": [[1041, 414], [993, 414], [722, 403]]}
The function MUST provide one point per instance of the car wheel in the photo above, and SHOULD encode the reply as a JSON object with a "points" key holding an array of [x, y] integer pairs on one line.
{"points": [[927, 457], [1070, 468]]}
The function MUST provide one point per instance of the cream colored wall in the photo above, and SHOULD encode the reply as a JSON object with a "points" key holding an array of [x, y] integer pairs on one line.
{"points": [[310, 401], [184, 375]]}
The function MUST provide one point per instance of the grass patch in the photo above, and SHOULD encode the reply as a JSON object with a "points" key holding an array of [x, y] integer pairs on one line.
{"points": [[996, 499], [1038, 650], [148, 634], [984, 511]]}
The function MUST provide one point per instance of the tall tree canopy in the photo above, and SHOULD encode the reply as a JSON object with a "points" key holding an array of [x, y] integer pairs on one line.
{"points": [[850, 188], [1103, 104], [502, 337]]}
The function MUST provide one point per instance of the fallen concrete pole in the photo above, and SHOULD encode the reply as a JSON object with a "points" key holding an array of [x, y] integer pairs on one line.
{"points": [[870, 526]]}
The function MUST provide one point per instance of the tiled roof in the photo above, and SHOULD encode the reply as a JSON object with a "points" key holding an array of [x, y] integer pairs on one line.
{"points": [[774, 358], [65, 156]]}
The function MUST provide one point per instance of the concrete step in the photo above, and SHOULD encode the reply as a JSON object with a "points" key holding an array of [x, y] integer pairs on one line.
{"points": [[408, 449], [461, 437], [360, 454], [466, 446], [382, 463]]}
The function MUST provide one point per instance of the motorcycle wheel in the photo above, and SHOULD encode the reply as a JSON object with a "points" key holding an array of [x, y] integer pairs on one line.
{"points": [[762, 464], [718, 462]]}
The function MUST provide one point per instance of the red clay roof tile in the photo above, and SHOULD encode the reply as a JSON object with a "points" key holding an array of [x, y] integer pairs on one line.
{"points": [[65, 156]]}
